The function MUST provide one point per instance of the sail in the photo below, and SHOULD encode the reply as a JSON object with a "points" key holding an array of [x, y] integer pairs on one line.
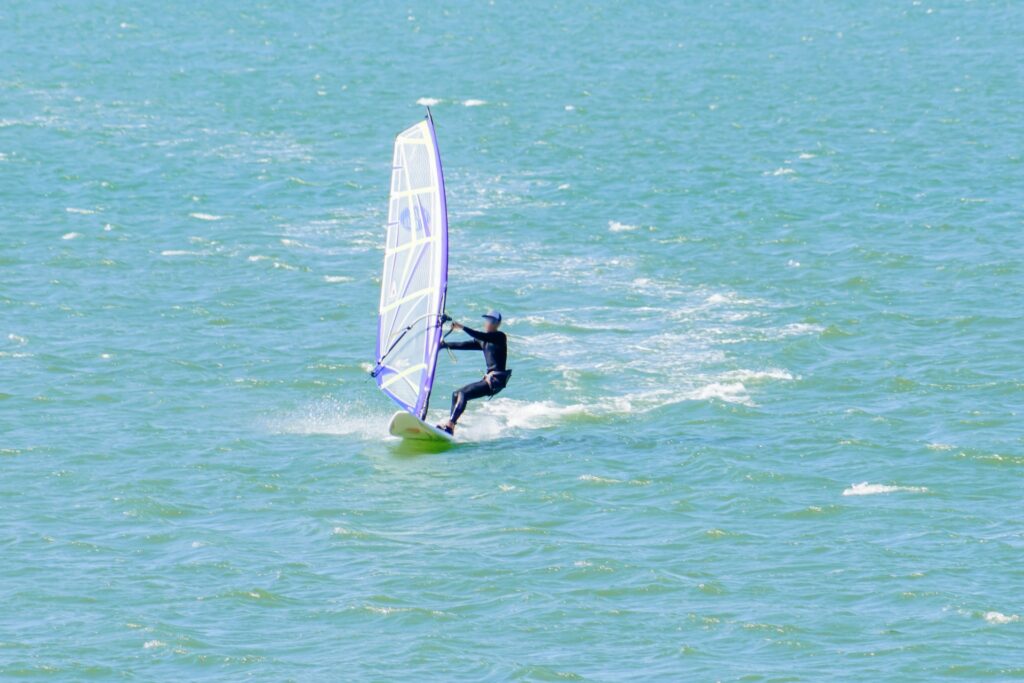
{"points": [[415, 275]]}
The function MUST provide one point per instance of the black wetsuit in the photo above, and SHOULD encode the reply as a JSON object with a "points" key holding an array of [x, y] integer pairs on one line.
{"points": [[495, 348]]}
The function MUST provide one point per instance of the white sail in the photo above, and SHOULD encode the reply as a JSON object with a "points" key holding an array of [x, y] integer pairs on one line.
{"points": [[415, 276]]}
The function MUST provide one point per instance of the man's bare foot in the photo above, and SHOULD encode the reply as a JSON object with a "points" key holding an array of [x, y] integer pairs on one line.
{"points": [[447, 427]]}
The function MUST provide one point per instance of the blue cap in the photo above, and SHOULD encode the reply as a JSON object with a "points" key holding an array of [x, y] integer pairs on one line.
{"points": [[493, 315]]}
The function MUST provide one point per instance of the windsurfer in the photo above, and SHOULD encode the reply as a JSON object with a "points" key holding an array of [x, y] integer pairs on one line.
{"points": [[494, 345]]}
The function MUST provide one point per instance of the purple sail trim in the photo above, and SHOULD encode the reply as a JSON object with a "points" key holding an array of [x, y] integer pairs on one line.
{"points": [[434, 347]]}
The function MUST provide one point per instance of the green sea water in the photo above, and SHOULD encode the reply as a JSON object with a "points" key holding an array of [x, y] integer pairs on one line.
{"points": [[761, 267]]}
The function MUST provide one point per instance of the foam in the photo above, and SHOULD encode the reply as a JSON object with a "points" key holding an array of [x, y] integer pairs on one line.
{"points": [[205, 216], [337, 279], [71, 236], [180, 252], [499, 416], [797, 329], [1000, 618], [474, 103], [593, 479], [754, 375], [85, 212], [428, 101], [729, 392], [866, 489], [17, 339], [615, 226]]}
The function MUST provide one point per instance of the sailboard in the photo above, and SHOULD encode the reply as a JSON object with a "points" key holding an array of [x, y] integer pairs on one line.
{"points": [[414, 281]]}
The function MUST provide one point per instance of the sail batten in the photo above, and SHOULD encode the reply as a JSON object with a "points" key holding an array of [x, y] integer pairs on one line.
{"points": [[415, 274]]}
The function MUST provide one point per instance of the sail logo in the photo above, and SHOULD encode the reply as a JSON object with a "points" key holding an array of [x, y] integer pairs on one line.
{"points": [[405, 220]]}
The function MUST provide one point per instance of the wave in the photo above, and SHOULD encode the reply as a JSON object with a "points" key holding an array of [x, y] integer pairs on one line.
{"points": [[1000, 618], [594, 479], [866, 489], [756, 375], [502, 416], [798, 329], [615, 226], [181, 252], [505, 414]]}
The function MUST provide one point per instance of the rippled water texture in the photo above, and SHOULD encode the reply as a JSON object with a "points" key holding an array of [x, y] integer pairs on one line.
{"points": [[761, 266]]}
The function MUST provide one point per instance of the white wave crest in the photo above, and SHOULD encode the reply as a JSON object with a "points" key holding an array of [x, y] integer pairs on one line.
{"points": [[797, 329], [615, 226], [594, 479], [755, 375], [730, 392], [1000, 618], [866, 489]]}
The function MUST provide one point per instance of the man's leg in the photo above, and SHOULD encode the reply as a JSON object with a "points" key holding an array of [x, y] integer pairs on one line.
{"points": [[465, 394]]}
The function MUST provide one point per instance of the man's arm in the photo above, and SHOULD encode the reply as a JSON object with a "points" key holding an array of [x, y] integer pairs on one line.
{"points": [[488, 337], [461, 346]]}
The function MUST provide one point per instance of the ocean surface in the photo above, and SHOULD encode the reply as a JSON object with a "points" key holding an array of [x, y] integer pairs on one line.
{"points": [[762, 267]]}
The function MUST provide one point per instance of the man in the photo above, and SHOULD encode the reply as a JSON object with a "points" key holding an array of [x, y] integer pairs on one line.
{"points": [[495, 347]]}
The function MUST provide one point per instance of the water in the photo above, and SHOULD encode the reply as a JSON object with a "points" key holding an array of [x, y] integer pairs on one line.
{"points": [[761, 269]]}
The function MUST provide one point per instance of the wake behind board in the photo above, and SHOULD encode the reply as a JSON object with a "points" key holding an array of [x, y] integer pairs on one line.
{"points": [[409, 427]]}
